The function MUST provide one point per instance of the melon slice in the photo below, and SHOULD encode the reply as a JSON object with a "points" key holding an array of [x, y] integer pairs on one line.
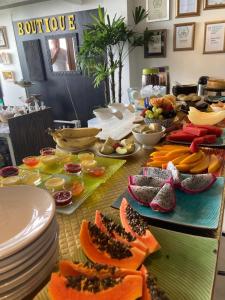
{"points": [[117, 232], [215, 163], [135, 224], [197, 183], [205, 118], [84, 288], [101, 248], [165, 201]]}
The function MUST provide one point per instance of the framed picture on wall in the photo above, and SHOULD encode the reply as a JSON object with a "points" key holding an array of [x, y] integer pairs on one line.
{"points": [[159, 10], [3, 38], [184, 37], [187, 8], [155, 43], [214, 37], [214, 4], [8, 75]]}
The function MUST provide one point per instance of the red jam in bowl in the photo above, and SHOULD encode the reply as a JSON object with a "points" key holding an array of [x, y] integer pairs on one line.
{"points": [[72, 168], [97, 171], [9, 171], [31, 161], [47, 151], [62, 198]]}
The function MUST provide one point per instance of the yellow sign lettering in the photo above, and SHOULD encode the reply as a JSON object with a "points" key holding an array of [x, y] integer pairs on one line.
{"points": [[62, 24], [47, 28], [33, 26], [54, 24], [71, 20], [39, 24], [27, 27], [20, 28]]}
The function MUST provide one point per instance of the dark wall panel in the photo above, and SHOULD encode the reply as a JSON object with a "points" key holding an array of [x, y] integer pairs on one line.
{"points": [[54, 90]]}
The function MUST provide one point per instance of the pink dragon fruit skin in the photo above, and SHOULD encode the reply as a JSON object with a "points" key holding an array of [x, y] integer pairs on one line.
{"points": [[143, 194], [197, 183], [177, 178], [142, 180], [165, 200]]}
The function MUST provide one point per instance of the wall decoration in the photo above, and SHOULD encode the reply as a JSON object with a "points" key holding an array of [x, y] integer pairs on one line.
{"points": [[159, 10], [187, 8], [214, 37], [8, 75], [213, 4], [155, 43], [47, 25], [184, 36], [5, 58], [3, 38]]}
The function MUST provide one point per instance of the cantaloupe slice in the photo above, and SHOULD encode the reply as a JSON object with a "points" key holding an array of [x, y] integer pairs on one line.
{"points": [[214, 163], [205, 118]]}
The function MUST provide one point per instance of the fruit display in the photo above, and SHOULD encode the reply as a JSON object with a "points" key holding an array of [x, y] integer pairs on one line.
{"points": [[122, 147], [184, 160], [197, 117], [196, 135], [160, 108], [101, 248], [75, 138]]}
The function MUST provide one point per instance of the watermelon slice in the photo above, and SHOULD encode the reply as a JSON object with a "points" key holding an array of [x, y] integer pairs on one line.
{"points": [[211, 129], [207, 139], [183, 136], [195, 130]]}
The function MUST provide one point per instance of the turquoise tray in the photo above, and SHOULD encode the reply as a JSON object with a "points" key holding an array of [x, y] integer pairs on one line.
{"points": [[201, 210]]}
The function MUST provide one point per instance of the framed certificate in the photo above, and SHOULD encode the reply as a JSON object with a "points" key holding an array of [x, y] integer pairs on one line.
{"points": [[214, 37], [184, 36], [155, 43], [159, 10], [213, 4], [187, 8]]}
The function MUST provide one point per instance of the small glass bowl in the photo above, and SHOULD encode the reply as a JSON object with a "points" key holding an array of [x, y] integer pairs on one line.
{"points": [[62, 198], [31, 161], [55, 184], [9, 171], [72, 169], [96, 171], [88, 164], [47, 151], [85, 156], [77, 187]]}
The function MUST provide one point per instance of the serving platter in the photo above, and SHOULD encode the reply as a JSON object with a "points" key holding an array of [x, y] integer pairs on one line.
{"points": [[120, 156], [200, 210]]}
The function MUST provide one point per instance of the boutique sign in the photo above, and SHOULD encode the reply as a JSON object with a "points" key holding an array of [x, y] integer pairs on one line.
{"points": [[46, 25]]}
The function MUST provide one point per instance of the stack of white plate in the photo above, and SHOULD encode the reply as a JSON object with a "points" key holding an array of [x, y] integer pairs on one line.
{"points": [[28, 240]]}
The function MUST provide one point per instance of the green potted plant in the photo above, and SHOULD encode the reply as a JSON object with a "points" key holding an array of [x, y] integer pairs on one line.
{"points": [[104, 49]]}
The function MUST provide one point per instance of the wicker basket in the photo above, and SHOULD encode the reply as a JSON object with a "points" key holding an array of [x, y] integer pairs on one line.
{"points": [[166, 122]]}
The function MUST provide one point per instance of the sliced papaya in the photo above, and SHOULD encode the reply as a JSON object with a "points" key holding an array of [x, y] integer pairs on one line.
{"points": [[201, 166], [101, 248], [68, 268], [94, 288], [178, 159], [214, 163], [173, 154], [135, 224], [150, 289], [117, 232]]}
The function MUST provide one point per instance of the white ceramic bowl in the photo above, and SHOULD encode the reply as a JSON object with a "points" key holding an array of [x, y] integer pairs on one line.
{"points": [[148, 140]]}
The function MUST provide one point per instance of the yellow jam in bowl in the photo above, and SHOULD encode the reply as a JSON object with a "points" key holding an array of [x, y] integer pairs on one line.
{"points": [[86, 165], [11, 180], [85, 156], [55, 183], [50, 160]]}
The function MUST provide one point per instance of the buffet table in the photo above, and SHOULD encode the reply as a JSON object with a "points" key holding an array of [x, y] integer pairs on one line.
{"points": [[102, 200]]}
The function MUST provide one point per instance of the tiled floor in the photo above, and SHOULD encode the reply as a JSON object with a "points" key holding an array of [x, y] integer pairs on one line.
{"points": [[219, 293]]}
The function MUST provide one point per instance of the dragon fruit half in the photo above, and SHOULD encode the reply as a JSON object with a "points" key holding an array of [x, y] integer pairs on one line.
{"points": [[156, 172], [143, 194], [143, 180], [165, 200], [197, 183], [177, 177]]}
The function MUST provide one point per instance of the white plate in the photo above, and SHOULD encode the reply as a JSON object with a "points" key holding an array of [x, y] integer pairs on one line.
{"points": [[25, 212], [41, 250], [121, 156], [23, 290], [26, 253], [7, 285]]}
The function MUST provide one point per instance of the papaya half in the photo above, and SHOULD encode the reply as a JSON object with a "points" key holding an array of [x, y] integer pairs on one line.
{"points": [[101, 248], [94, 288], [135, 224]]}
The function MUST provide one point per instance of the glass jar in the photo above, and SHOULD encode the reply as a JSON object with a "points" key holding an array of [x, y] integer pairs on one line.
{"points": [[150, 77]]}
